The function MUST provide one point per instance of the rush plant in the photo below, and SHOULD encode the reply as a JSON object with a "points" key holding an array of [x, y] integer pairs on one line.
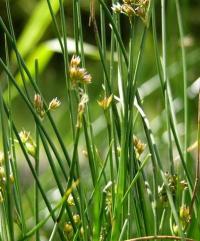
{"points": [[131, 186]]}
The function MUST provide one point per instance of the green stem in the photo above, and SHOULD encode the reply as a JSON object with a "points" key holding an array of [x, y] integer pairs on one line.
{"points": [[184, 66]]}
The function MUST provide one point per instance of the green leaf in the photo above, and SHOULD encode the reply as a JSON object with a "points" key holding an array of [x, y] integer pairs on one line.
{"points": [[36, 27]]}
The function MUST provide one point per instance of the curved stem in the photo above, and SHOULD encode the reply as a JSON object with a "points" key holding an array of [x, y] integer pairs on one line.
{"points": [[164, 237]]}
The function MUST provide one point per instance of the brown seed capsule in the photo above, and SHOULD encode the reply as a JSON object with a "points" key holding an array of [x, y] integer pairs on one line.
{"points": [[128, 10], [140, 11], [139, 146], [38, 103]]}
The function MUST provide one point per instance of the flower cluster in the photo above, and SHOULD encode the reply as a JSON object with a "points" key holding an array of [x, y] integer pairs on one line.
{"points": [[132, 8], [184, 217], [39, 105], [173, 182], [77, 74], [172, 185], [105, 102], [54, 104], [139, 146], [28, 142], [81, 109], [68, 229], [184, 214]]}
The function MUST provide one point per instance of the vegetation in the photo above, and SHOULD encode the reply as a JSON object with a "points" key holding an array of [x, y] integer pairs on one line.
{"points": [[122, 166]]}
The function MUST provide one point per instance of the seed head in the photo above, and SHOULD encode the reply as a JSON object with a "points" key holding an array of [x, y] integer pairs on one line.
{"points": [[128, 10], [87, 79], [81, 109], [185, 213], [117, 8], [77, 74], [76, 218], [54, 104], [163, 195], [145, 3], [31, 148], [70, 200], [105, 103], [28, 142], [139, 145], [140, 11], [24, 136], [184, 184], [38, 103], [75, 61], [68, 230], [128, 1]]}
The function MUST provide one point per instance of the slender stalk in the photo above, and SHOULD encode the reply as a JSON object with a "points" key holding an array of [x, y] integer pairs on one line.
{"points": [[37, 157], [108, 14], [156, 158], [136, 177], [37, 119], [8, 187], [66, 65], [123, 230], [32, 169], [184, 66], [17, 55], [196, 185], [166, 82], [16, 189], [173, 123]]}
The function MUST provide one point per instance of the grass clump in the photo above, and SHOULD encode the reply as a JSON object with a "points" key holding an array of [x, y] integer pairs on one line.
{"points": [[126, 188]]}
